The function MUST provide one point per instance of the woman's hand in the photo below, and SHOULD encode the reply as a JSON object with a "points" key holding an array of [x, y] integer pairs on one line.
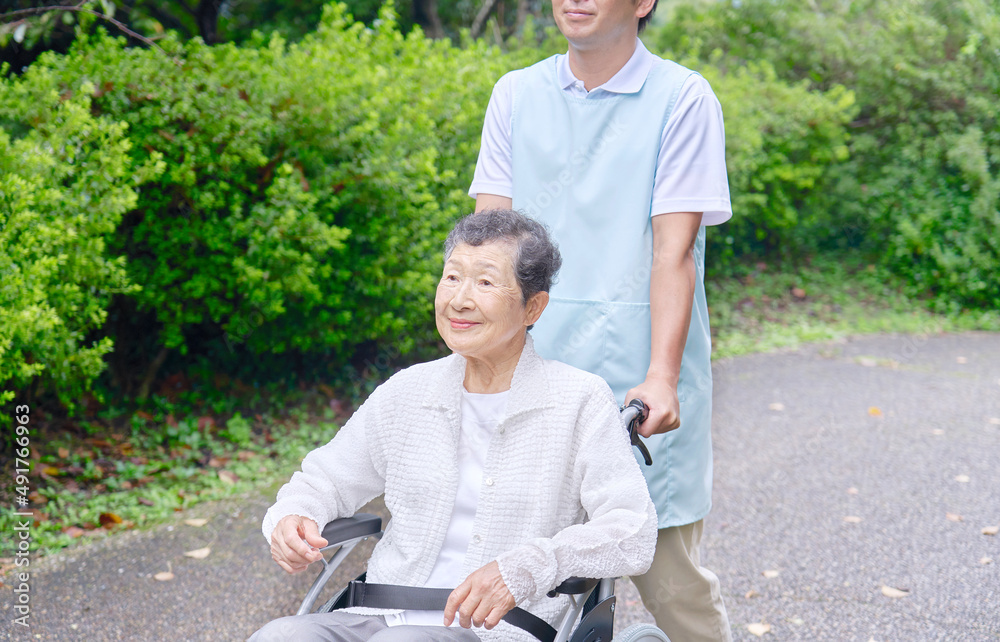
{"points": [[481, 600], [287, 547]]}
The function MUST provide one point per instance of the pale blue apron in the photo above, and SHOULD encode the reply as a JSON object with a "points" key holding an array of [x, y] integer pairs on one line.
{"points": [[586, 168]]}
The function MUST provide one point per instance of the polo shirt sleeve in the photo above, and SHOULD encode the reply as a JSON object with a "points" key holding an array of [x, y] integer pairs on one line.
{"points": [[494, 173], [691, 168]]}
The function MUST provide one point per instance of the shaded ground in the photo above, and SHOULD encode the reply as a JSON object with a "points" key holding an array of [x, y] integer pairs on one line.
{"points": [[880, 428]]}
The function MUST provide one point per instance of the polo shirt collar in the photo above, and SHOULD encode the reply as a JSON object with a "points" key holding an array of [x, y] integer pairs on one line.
{"points": [[628, 80]]}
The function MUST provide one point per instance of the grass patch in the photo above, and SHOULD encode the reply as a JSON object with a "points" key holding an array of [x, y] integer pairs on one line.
{"points": [[782, 306], [90, 486]]}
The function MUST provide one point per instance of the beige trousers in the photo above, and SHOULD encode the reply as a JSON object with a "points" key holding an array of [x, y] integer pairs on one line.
{"points": [[681, 594]]}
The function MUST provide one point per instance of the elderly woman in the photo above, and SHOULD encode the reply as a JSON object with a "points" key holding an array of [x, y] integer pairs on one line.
{"points": [[504, 473]]}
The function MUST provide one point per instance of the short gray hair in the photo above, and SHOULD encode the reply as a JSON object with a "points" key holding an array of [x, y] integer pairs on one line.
{"points": [[536, 258]]}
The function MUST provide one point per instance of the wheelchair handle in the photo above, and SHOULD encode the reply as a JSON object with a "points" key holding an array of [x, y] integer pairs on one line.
{"points": [[633, 415]]}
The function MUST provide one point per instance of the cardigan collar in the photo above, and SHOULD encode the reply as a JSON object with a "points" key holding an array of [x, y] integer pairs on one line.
{"points": [[529, 388]]}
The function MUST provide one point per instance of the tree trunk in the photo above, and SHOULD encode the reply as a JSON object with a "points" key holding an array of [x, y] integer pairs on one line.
{"points": [[425, 14], [481, 17], [208, 20]]}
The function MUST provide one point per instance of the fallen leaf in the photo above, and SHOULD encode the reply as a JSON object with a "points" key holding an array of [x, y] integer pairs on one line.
{"points": [[759, 628], [853, 519], [962, 479], [991, 530], [985, 560], [751, 594], [771, 574], [198, 521], [164, 576], [868, 362], [74, 531], [875, 411], [776, 406], [889, 591], [937, 431], [215, 462], [198, 553], [228, 476], [63, 453], [205, 422], [953, 517], [798, 293], [852, 491], [146, 502], [109, 520], [961, 360], [52, 471], [995, 421]]}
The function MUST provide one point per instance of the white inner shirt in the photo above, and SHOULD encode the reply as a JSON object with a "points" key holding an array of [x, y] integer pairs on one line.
{"points": [[481, 413], [691, 166]]}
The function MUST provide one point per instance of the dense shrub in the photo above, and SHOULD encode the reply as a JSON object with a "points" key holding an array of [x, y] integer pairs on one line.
{"points": [[65, 183], [920, 188]]}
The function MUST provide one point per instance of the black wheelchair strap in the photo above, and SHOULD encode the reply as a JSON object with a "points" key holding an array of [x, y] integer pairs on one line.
{"points": [[390, 596]]}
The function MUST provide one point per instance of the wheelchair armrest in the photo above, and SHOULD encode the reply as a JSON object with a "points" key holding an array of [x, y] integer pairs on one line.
{"points": [[574, 586], [347, 528]]}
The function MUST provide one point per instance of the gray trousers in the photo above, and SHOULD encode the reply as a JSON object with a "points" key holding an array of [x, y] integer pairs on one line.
{"points": [[348, 627]]}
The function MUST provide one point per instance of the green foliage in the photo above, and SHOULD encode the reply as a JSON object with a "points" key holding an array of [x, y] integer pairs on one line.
{"points": [[781, 140], [305, 193], [920, 186], [66, 179]]}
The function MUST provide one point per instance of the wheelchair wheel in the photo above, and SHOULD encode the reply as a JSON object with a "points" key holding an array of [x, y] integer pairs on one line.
{"points": [[641, 633]]}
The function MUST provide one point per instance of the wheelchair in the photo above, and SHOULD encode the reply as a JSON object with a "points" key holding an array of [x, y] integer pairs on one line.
{"points": [[589, 617]]}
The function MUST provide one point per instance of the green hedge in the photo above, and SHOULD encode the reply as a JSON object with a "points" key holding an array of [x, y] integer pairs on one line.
{"points": [[275, 199], [64, 185]]}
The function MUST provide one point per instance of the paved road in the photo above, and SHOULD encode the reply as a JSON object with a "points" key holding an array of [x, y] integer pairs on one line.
{"points": [[897, 433]]}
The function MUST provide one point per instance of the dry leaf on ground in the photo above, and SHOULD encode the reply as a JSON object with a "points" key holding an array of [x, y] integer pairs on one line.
{"points": [[771, 574], [228, 476], [109, 520], [852, 491], [953, 517], [875, 411], [759, 628], [776, 406], [962, 479], [751, 594], [198, 553], [853, 519], [889, 591], [995, 421], [991, 530], [198, 521], [165, 576]]}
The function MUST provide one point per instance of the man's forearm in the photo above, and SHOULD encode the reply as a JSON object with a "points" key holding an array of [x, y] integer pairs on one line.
{"points": [[671, 292], [671, 295]]}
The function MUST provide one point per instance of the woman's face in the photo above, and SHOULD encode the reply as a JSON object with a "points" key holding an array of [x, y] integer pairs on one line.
{"points": [[478, 307]]}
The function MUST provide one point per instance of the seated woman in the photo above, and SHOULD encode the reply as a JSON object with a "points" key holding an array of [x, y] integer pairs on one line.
{"points": [[504, 473]]}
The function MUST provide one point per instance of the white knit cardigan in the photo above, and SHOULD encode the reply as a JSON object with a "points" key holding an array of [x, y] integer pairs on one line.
{"points": [[562, 494]]}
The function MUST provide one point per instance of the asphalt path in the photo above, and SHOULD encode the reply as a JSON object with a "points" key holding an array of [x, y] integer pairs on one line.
{"points": [[843, 472]]}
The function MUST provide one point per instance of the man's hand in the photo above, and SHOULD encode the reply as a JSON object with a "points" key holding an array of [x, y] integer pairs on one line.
{"points": [[287, 547], [660, 396], [481, 600]]}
